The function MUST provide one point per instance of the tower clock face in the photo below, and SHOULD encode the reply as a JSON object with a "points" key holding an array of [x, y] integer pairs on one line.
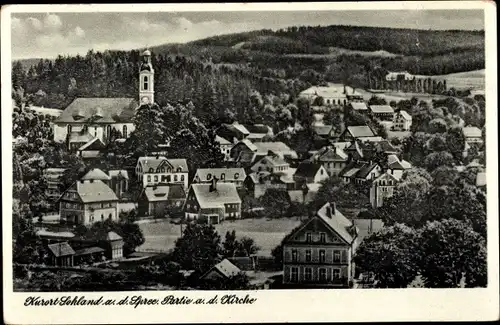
{"points": [[145, 100]]}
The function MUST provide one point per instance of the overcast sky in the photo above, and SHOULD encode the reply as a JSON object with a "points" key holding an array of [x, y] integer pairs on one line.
{"points": [[36, 35]]}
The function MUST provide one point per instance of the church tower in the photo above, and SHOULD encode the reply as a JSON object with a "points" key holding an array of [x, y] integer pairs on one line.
{"points": [[146, 79]]}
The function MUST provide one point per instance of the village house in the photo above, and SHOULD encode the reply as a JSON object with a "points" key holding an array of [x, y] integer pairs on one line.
{"points": [[88, 201], [225, 146], [382, 112], [91, 149], [221, 271], [326, 132], [333, 94], [223, 175], [402, 121], [272, 164], [117, 180], [309, 172], [212, 203], [257, 183], [61, 254], [155, 170], [397, 167], [258, 132], [247, 152], [104, 118], [381, 189], [360, 172], [473, 134], [360, 132], [401, 75], [53, 178], [233, 132], [359, 107], [320, 252], [161, 199], [332, 158]]}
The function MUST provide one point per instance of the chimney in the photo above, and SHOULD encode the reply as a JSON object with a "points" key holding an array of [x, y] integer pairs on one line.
{"points": [[92, 181], [345, 89], [213, 185], [157, 156], [333, 207], [329, 211]]}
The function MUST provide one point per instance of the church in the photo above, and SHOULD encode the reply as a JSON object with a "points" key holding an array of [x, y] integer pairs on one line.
{"points": [[93, 122]]}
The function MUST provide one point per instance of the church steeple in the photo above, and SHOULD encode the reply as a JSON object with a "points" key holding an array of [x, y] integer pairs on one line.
{"points": [[146, 79]]}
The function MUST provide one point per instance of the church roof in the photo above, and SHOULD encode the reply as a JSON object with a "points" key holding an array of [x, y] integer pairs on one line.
{"points": [[99, 110]]}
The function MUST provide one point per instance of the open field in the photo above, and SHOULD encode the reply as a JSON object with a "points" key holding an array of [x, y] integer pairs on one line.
{"points": [[337, 51], [470, 79], [161, 235]]}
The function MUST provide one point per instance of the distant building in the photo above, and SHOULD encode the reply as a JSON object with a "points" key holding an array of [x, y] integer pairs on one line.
{"points": [[155, 170], [225, 146], [360, 172], [90, 149], [61, 254], [248, 152], [332, 158], [402, 121], [320, 252], [382, 188], [212, 203], [233, 132], [221, 271], [88, 201], [53, 177], [382, 112], [258, 132], [333, 94], [223, 175], [272, 164], [473, 134], [258, 183], [324, 131], [361, 132], [309, 172], [481, 180], [397, 167], [54, 112], [359, 107], [161, 199], [394, 76]]}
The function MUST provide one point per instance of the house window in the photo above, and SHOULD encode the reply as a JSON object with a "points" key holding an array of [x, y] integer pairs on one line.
{"points": [[322, 256], [125, 131], [182, 178], [236, 176], [222, 176], [308, 255], [336, 256], [149, 178], [308, 237], [336, 273], [294, 255], [322, 237], [102, 217], [162, 170], [322, 275], [294, 274], [110, 216], [156, 178], [145, 83], [308, 274], [168, 178], [209, 176]]}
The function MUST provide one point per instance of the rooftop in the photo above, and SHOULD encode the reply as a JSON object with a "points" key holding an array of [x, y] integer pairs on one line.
{"points": [[382, 109], [61, 249], [308, 169], [225, 193], [95, 191], [96, 174], [472, 132], [99, 110], [360, 131]]}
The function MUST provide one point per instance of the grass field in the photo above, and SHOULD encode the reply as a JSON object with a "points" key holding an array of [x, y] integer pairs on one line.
{"points": [[470, 79], [161, 235]]}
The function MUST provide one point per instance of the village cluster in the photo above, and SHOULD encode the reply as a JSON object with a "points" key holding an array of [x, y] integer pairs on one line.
{"points": [[319, 252]]}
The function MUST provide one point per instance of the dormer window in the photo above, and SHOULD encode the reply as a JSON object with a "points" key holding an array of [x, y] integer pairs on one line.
{"points": [[236, 176], [209, 176], [222, 176], [179, 169], [151, 170]]}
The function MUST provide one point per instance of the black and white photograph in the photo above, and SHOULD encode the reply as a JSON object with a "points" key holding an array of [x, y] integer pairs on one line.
{"points": [[249, 150]]}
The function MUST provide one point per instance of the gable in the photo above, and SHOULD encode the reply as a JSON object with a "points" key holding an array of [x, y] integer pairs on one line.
{"points": [[164, 164], [315, 225]]}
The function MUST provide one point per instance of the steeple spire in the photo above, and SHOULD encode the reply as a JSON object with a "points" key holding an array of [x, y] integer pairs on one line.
{"points": [[146, 79]]}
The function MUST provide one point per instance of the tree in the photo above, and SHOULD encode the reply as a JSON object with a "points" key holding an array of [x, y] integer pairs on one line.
{"points": [[389, 254], [230, 244], [239, 281], [455, 139], [449, 250], [437, 159], [247, 247], [198, 249], [344, 195], [276, 202], [444, 176], [374, 100], [131, 233]]}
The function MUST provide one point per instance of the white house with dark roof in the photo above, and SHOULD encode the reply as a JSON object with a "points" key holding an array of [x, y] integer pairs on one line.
{"points": [[309, 172], [402, 121], [320, 251], [397, 167], [88, 201], [223, 175], [225, 146], [158, 169], [104, 118], [212, 203], [332, 158], [273, 164]]}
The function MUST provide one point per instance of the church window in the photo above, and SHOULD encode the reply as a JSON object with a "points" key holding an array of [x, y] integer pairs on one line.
{"points": [[145, 83], [125, 131], [69, 128]]}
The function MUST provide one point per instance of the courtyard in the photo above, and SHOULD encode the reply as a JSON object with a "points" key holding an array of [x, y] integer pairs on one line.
{"points": [[160, 235]]}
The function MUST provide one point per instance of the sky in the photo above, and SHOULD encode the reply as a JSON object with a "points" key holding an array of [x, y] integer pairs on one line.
{"points": [[36, 35]]}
